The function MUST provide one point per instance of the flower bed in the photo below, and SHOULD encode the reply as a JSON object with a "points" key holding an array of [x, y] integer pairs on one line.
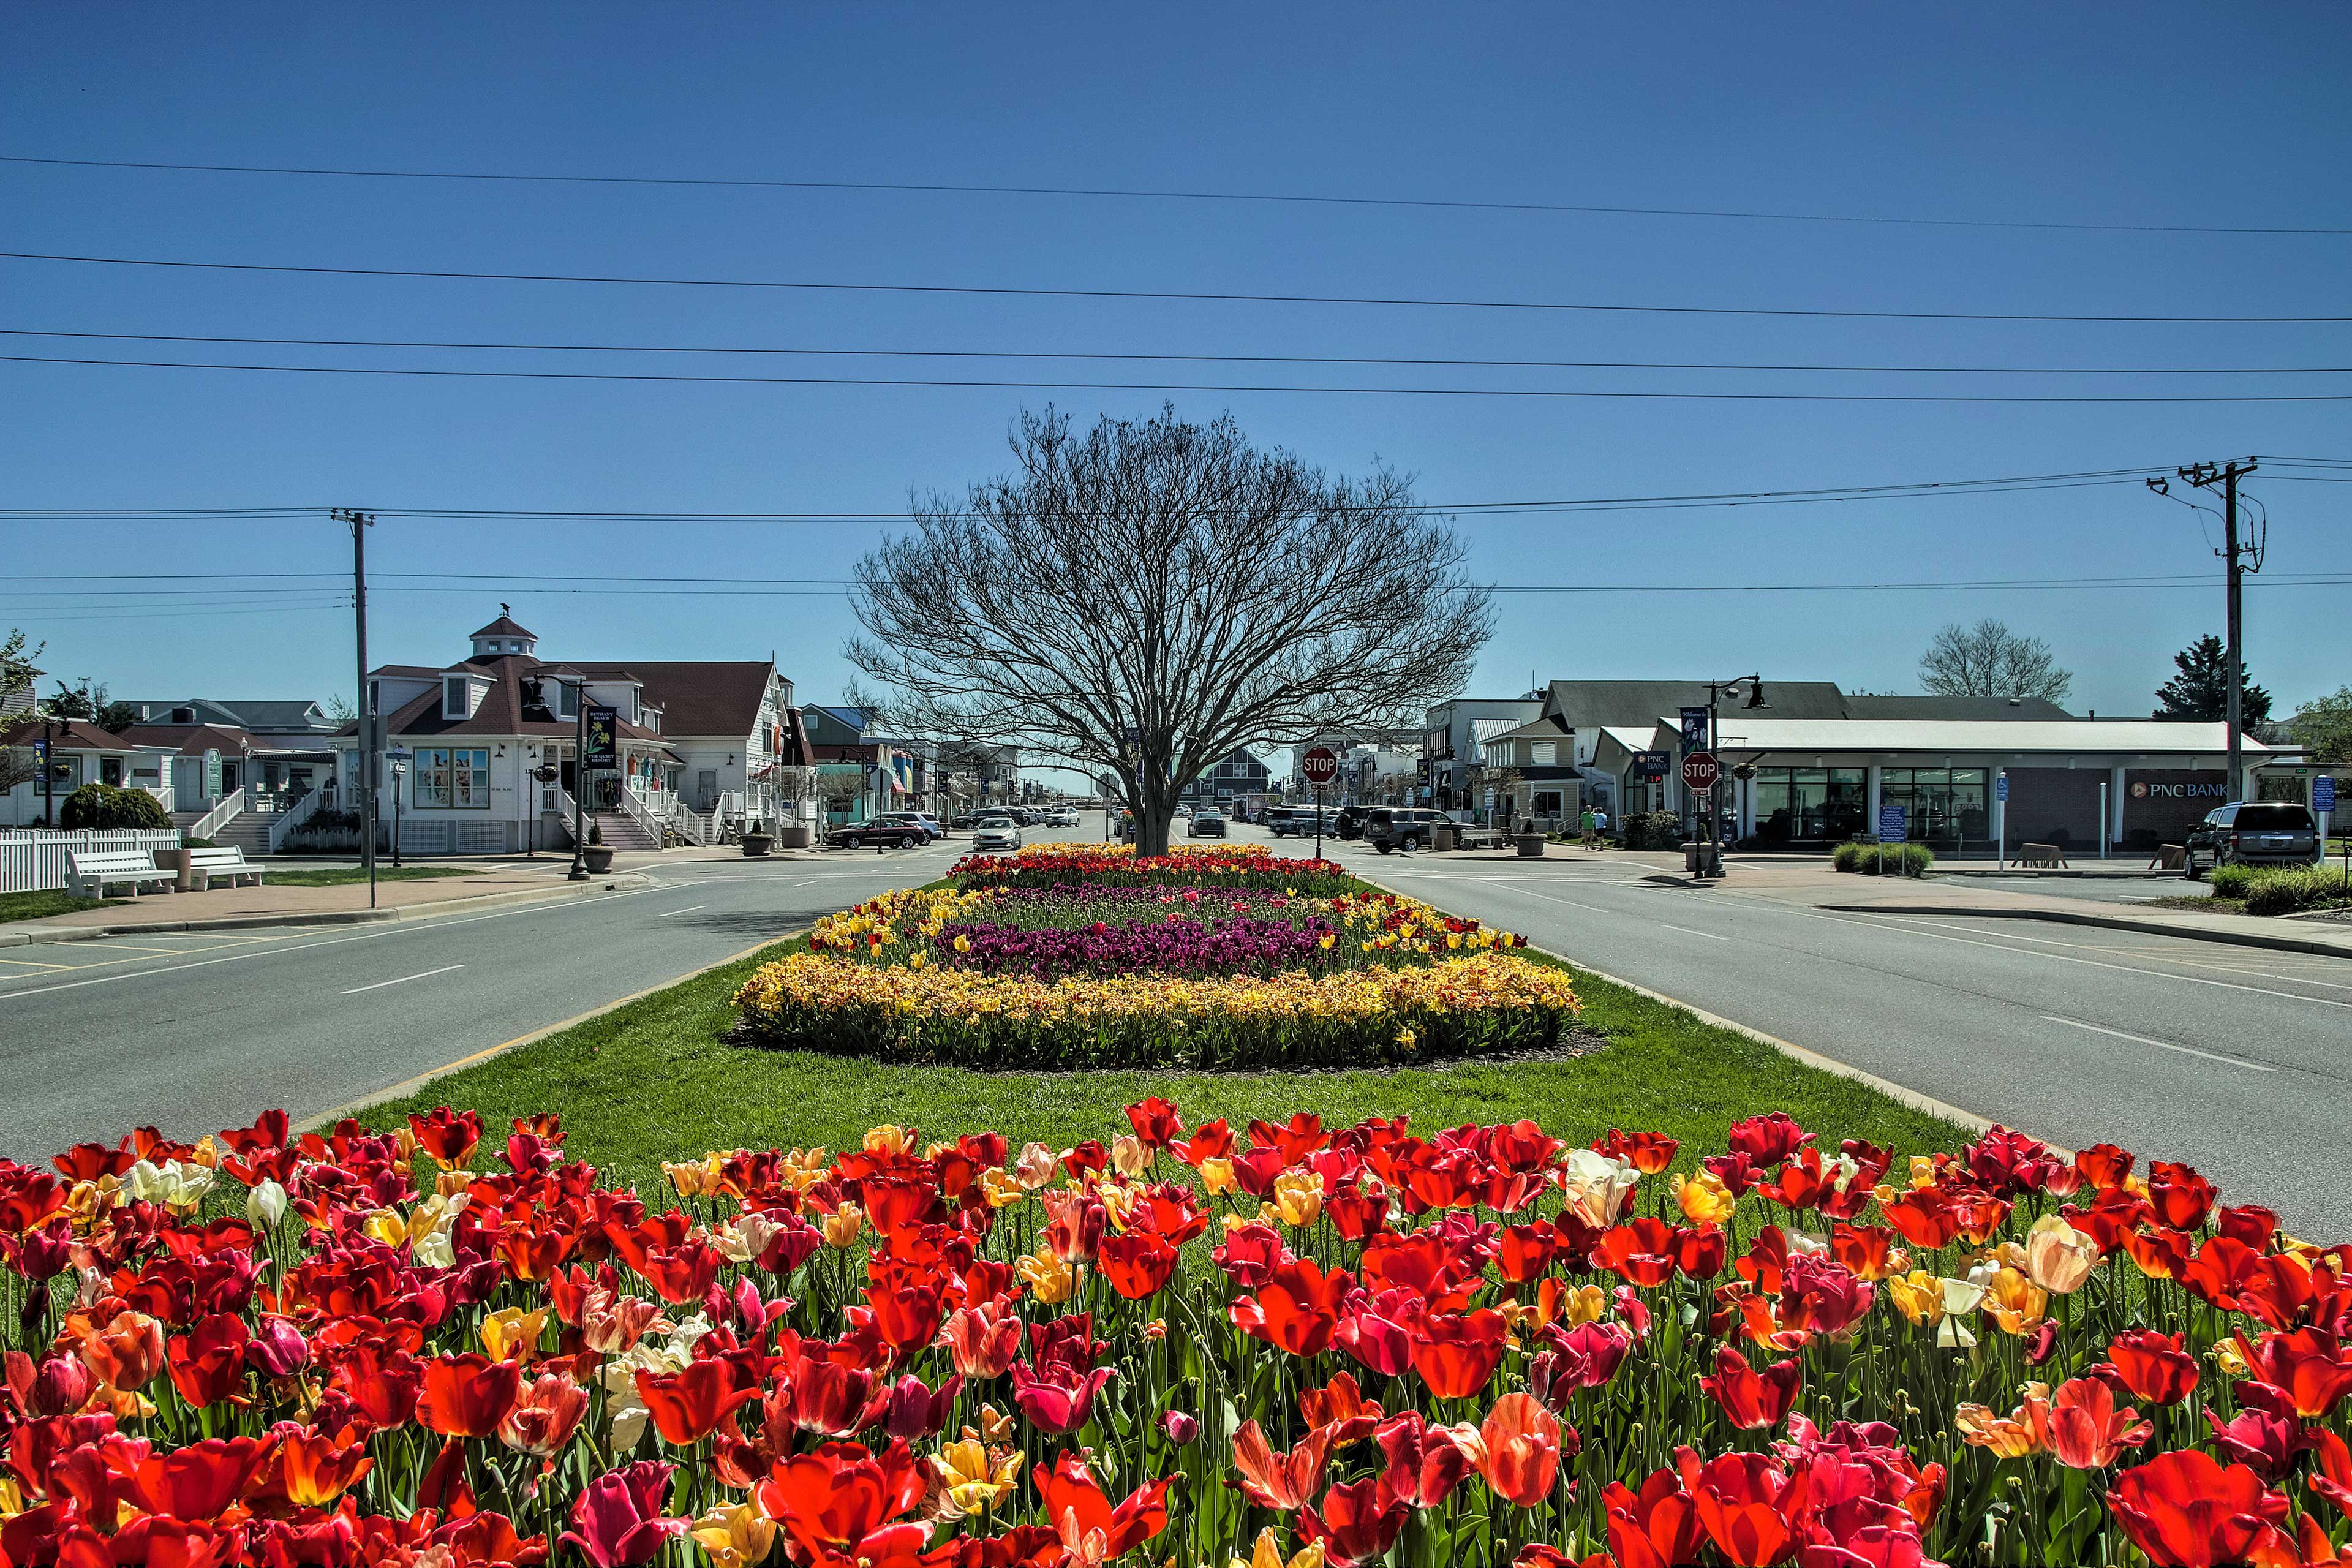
{"points": [[1118, 976], [1111, 865], [432, 1348]]}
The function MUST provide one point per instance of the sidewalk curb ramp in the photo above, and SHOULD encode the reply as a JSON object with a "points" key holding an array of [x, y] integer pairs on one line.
{"points": [[2279, 944], [626, 882]]}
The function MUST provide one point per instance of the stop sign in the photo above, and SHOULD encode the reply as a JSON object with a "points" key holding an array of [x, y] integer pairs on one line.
{"points": [[1700, 771], [1319, 766]]}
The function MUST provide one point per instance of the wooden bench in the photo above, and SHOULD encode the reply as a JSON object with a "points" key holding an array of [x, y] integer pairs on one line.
{"points": [[88, 876], [223, 865], [2047, 855]]}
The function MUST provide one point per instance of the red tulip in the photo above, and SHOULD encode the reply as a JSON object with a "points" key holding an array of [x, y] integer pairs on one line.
{"points": [[2082, 1427], [2307, 1366], [1137, 1264], [1058, 1396], [2264, 1435], [547, 1411], [1750, 1509], [1297, 1309], [200, 1481], [317, 1467], [449, 1137], [1648, 1153], [687, 1406], [1926, 1215], [1753, 1400], [1379, 1333], [1155, 1122], [983, 1339], [917, 1410], [208, 1362], [127, 1353], [2153, 1366], [831, 1398], [1657, 1527], [1091, 1528], [2187, 1511], [1456, 1354], [1421, 1464], [618, 1520], [1768, 1140], [1357, 1522], [2181, 1197], [1640, 1251], [1522, 1450], [467, 1396], [1275, 1480]]}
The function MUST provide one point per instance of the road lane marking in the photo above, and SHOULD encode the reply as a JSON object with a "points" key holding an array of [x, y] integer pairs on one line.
{"points": [[1687, 931], [405, 979], [2160, 1044], [1571, 903], [30, 964], [687, 910], [2150, 954]]}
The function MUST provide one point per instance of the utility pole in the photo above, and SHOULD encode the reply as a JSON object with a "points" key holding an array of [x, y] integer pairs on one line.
{"points": [[2205, 476], [363, 785]]}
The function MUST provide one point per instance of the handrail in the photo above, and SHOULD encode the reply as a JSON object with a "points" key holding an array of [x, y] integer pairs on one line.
{"points": [[637, 811], [293, 817], [690, 826], [219, 817]]}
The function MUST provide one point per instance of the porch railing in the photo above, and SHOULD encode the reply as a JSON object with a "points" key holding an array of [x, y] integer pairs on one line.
{"points": [[293, 815], [633, 807], [219, 817]]}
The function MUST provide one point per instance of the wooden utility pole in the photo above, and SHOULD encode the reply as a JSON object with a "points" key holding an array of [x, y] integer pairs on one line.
{"points": [[2205, 476], [364, 782]]}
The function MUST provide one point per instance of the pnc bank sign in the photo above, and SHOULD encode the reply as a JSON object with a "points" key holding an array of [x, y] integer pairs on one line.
{"points": [[2142, 790]]}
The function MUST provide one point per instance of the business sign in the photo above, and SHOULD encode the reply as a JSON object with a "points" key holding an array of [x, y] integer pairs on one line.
{"points": [[603, 748], [2000, 786], [1700, 771], [2142, 789], [1894, 825], [2323, 792], [1695, 735], [1652, 764]]}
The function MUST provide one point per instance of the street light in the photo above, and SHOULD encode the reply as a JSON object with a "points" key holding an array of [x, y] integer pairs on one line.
{"points": [[579, 872], [1716, 690], [399, 760]]}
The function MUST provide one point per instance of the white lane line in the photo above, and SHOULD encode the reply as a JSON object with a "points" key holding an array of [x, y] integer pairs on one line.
{"points": [[1687, 931], [2160, 1044], [2151, 955], [404, 980], [687, 910], [1571, 903]]}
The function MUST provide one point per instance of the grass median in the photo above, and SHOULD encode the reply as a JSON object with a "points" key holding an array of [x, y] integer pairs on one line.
{"points": [[657, 1079], [45, 902]]}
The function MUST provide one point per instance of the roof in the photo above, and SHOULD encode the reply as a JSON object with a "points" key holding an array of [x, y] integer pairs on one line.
{"points": [[1594, 704], [1859, 705], [67, 735], [1634, 738], [1544, 729], [273, 712], [505, 626], [1744, 732], [420, 671], [702, 696], [1485, 729], [500, 713], [195, 740], [855, 718]]}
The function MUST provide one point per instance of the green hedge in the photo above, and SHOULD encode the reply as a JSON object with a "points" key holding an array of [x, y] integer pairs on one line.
{"points": [[1651, 830], [1868, 858], [2282, 889], [104, 808]]}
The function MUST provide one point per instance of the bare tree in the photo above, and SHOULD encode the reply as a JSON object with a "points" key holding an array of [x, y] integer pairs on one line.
{"points": [[339, 709], [1988, 659], [17, 764], [1142, 599]]}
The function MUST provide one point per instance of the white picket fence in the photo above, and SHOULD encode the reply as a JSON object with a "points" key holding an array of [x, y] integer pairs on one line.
{"points": [[31, 861]]}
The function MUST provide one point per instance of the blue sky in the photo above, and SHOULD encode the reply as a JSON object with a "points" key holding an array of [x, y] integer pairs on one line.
{"points": [[2153, 115]]}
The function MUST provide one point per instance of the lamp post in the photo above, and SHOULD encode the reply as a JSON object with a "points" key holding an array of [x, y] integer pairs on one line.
{"points": [[579, 872], [398, 758], [49, 774], [1714, 690]]}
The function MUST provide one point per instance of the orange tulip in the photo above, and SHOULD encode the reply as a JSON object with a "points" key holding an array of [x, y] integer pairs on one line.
{"points": [[2082, 1427], [320, 1467], [467, 1396], [546, 1413], [127, 1353], [1278, 1480], [687, 1406], [1522, 1440]]}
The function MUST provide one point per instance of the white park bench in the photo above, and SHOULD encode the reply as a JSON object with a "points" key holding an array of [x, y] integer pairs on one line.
{"points": [[223, 865], [89, 875]]}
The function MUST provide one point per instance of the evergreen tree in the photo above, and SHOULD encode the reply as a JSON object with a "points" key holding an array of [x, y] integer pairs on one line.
{"points": [[2201, 688]]}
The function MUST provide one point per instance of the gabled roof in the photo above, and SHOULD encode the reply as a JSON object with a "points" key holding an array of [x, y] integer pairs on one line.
{"points": [[1592, 704], [1546, 728], [701, 697], [500, 713], [1858, 706], [193, 739], [506, 627], [277, 713], [67, 735]]}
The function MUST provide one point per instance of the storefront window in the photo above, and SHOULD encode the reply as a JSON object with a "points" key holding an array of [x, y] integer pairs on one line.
{"points": [[1941, 805], [451, 778], [1809, 805]]}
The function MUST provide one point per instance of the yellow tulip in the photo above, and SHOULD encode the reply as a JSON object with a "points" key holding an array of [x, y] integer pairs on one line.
{"points": [[974, 1478], [512, 1334], [1918, 1296], [842, 1226], [1299, 1197], [1267, 1554], [2015, 1302], [889, 1140], [1217, 1176], [2006, 1436], [1049, 1279], [1128, 1157], [1001, 1187], [1705, 1199], [736, 1536]]}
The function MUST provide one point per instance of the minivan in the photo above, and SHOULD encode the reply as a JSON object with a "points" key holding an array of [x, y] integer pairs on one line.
{"points": [[2254, 833]]}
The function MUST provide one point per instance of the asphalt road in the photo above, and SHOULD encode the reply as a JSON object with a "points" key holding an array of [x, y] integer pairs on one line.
{"points": [[197, 1032], [2235, 1059]]}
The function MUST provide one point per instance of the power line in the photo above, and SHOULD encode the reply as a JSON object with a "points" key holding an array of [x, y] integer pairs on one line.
{"points": [[1196, 296], [979, 384], [942, 188], [1184, 358]]}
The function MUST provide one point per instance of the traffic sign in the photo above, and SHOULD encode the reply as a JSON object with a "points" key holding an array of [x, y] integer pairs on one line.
{"points": [[2000, 786], [1319, 766], [1700, 771], [2323, 792], [1893, 828]]}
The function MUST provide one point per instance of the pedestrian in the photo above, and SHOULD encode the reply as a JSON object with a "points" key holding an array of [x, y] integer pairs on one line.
{"points": [[1584, 824], [1601, 827]]}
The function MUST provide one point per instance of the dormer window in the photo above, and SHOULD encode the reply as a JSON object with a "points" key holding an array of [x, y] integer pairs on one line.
{"points": [[567, 701], [457, 696]]}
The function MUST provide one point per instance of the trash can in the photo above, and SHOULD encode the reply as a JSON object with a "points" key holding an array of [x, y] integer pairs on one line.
{"points": [[176, 861], [1442, 839], [1531, 846]]}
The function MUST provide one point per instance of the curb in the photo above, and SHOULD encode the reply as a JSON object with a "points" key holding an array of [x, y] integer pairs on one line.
{"points": [[624, 882], [2108, 923], [1928, 1104], [409, 1086]]}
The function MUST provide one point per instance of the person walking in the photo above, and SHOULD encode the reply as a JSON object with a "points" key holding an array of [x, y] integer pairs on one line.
{"points": [[1601, 827], [1584, 824]]}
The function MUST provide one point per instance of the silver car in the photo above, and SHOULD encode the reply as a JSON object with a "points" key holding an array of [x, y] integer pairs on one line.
{"points": [[996, 836]]}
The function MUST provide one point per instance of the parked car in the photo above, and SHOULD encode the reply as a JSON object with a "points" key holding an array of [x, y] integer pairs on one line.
{"points": [[2254, 833], [1301, 820], [964, 822], [932, 831], [996, 836], [879, 833], [1067, 818], [1405, 828], [1206, 824], [1350, 823]]}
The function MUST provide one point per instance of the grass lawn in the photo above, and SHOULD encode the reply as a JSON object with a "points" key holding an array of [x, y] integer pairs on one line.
{"points": [[336, 876], [654, 1081], [47, 901]]}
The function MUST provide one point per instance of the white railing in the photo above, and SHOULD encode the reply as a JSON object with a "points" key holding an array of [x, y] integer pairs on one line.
{"points": [[294, 816], [559, 801], [213, 821], [689, 825], [636, 809], [32, 861]]}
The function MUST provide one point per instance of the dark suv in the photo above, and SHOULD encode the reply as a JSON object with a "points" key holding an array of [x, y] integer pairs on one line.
{"points": [[2254, 833], [1408, 828]]}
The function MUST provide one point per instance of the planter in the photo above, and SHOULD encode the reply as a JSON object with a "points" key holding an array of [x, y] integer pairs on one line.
{"points": [[1442, 840], [794, 836], [756, 845], [176, 862], [1531, 846], [598, 858]]}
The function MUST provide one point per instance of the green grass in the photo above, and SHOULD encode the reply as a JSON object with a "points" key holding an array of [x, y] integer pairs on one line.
{"points": [[654, 1081], [338, 875], [2283, 889], [47, 901]]}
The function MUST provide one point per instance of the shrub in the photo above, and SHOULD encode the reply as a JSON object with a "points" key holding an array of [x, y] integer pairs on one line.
{"points": [[2285, 890], [2231, 881], [1870, 857], [1651, 830], [102, 808]]}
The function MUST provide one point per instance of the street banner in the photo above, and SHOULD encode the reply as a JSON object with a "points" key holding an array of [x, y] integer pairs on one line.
{"points": [[1695, 735], [602, 749]]}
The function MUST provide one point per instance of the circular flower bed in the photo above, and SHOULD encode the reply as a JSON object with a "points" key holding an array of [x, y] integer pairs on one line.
{"points": [[430, 1348]]}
